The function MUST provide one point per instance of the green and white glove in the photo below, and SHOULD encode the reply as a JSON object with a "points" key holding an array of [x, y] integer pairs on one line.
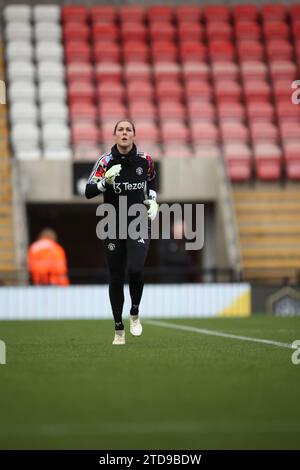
{"points": [[153, 208], [112, 173]]}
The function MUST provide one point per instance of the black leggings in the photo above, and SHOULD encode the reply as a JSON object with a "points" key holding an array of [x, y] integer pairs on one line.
{"points": [[120, 253]]}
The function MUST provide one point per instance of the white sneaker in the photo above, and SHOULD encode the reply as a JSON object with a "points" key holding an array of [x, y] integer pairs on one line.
{"points": [[119, 337], [135, 325]]}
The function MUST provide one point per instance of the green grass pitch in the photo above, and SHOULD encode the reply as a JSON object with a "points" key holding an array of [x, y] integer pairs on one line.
{"points": [[66, 387]]}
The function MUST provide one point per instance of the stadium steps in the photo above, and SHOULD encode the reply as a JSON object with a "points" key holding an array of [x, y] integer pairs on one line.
{"points": [[7, 246], [269, 233]]}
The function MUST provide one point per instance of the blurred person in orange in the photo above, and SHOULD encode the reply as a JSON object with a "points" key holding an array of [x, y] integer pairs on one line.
{"points": [[47, 262]]}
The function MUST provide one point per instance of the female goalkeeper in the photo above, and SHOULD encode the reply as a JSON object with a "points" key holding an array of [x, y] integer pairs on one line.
{"points": [[125, 171]]}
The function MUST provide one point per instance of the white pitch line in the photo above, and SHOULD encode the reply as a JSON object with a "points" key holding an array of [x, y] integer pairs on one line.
{"points": [[218, 333]]}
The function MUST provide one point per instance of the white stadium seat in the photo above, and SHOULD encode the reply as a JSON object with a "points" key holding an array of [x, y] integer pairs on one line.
{"points": [[17, 13], [55, 136], [20, 70], [23, 111], [33, 154], [18, 31], [49, 50], [22, 91], [52, 91], [50, 70], [54, 112], [45, 31], [46, 13], [19, 50], [25, 136]]}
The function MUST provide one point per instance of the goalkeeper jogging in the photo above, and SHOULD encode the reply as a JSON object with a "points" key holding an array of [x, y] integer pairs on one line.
{"points": [[125, 171]]}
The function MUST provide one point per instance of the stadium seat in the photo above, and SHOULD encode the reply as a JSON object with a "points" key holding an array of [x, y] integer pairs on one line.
{"points": [[20, 70], [171, 111], [273, 12], [246, 12], [22, 91], [166, 71], [18, 31], [54, 112], [188, 31], [84, 132], [52, 91], [288, 111], [200, 110], [254, 70], [50, 70], [198, 90], [161, 31], [164, 13], [77, 13], [227, 90], [46, 31], [260, 111], [187, 13], [276, 30], [105, 32], [257, 90], [80, 71], [106, 51], [134, 31], [263, 131], [103, 14], [219, 30], [21, 111], [55, 135], [291, 154], [142, 110], [19, 50], [250, 50], [279, 49], [74, 31], [221, 50], [110, 91], [225, 71], [169, 89], [132, 13], [49, 50], [216, 13], [77, 51], [247, 31], [163, 51], [47, 13], [233, 131], [135, 52], [239, 161], [289, 130], [174, 132], [231, 111], [25, 136], [17, 13], [139, 91], [267, 161], [195, 70], [108, 72], [204, 133], [133, 71]]}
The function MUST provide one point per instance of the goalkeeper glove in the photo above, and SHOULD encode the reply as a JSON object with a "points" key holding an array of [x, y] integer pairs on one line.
{"points": [[112, 173], [153, 208]]}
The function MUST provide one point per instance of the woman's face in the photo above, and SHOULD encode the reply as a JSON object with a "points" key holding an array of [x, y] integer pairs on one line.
{"points": [[124, 135]]}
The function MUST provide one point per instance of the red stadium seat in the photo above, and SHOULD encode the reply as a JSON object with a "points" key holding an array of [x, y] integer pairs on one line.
{"points": [[276, 30], [233, 131], [162, 13], [111, 111], [110, 91], [132, 13], [192, 51], [216, 13], [239, 161], [221, 51], [227, 90], [283, 70], [231, 111], [256, 90], [220, 31], [198, 91], [291, 154], [247, 31], [161, 31], [82, 111], [225, 70], [282, 90], [263, 131], [136, 71], [77, 71], [273, 12], [142, 110], [279, 49], [254, 70], [188, 31], [260, 111], [81, 91], [250, 50], [200, 110], [105, 32], [195, 70], [76, 51], [74, 31], [134, 31], [245, 12], [169, 89], [295, 11], [163, 51], [267, 161], [107, 51], [74, 13], [84, 132], [166, 71], [103, 13], [287, 111], [187, 13], [108, 72], [138, 90], [289, 130], [171, 111], [204, 133], [135, 52], [147, 132], [174, 132]]}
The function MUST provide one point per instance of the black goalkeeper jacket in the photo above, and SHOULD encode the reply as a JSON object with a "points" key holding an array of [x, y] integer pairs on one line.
{"points": [[136, 180]]}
